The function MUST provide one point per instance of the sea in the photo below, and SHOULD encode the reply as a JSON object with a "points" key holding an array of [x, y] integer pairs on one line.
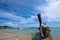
{"points": [[55, 32]]}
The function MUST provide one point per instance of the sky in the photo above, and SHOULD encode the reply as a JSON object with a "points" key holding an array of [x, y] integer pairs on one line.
{"points": [[23, 13]]}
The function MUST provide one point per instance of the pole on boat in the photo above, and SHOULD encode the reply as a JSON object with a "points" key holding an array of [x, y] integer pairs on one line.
{"points": [[40, 23]]}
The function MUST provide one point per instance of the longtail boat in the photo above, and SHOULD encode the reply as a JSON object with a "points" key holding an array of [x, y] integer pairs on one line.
{"points": [[44, 31]]}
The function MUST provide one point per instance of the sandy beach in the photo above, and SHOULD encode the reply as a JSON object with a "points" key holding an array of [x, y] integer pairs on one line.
{"points": [[18, 36], [14, 36]]}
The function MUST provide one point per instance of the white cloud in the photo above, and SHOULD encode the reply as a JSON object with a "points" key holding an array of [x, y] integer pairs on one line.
{"points": [[20, 19], [11, 24], [9, 16], [51, 1], [52, 10]]}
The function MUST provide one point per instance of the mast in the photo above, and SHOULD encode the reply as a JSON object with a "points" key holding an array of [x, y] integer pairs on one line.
{"points": [[39, 18], [40, 21]]}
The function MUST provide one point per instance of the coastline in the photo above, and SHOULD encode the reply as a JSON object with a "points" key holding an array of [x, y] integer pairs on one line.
{"points": [[10, 34]]}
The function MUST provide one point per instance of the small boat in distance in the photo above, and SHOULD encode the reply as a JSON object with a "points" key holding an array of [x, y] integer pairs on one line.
{"points": [[20, 28]]}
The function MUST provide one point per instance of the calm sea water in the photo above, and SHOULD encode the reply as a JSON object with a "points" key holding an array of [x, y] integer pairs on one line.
{"points": [[26, 30], [55, 32]]}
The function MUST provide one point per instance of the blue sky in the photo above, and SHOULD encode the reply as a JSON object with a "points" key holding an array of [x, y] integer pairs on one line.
{"points": [[23, 13]]}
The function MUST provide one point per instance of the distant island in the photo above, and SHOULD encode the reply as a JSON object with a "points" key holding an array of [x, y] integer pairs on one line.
{"points": [[7, 27]]}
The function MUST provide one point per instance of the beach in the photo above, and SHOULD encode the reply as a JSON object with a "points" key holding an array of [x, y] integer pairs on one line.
{"points": [[10, 34], [14, 36]]}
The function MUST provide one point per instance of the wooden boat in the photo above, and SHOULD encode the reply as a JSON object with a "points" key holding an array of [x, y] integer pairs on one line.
{"points": [[44, 31]]}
